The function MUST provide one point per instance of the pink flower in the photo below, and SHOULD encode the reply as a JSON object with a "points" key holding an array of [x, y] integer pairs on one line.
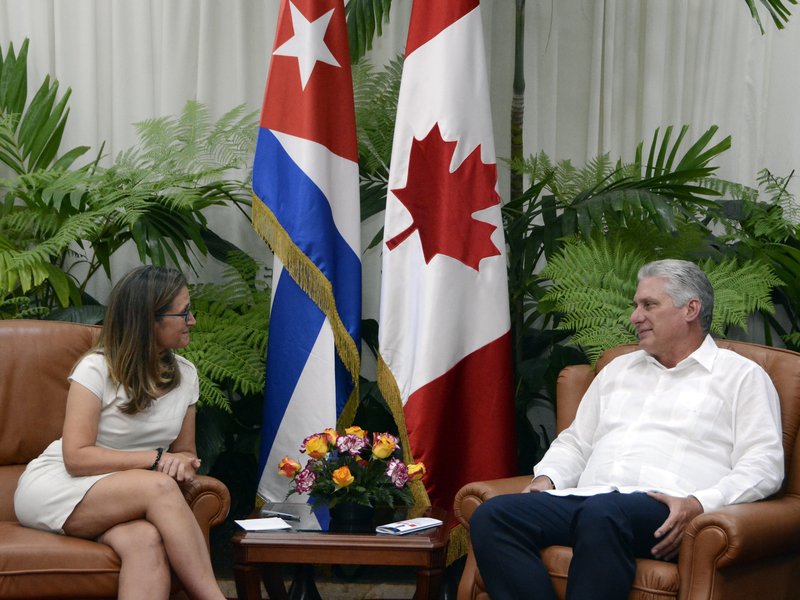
{"points": [[397, 472], [304, 481], [351, 444]]}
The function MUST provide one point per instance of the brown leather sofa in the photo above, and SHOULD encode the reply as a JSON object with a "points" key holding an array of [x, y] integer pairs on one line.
{"points": [[740, 552], [35, 359]]}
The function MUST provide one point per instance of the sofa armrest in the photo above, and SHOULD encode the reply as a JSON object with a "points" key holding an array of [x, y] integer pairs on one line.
{"points": [[471, 495], [740, 534], [209, 499]]}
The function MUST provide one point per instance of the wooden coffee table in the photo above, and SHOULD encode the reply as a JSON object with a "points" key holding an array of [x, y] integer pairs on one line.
{"points": [[258, 557]]}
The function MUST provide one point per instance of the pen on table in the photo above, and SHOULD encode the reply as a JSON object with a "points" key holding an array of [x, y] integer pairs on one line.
{"points": [[287, 516]]}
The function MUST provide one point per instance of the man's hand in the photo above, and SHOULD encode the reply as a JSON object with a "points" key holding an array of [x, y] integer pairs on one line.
{"points": [[681, 512], [538, 484]]}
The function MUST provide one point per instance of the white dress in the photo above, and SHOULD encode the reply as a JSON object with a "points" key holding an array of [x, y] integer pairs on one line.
{"points": [[46, 494]]}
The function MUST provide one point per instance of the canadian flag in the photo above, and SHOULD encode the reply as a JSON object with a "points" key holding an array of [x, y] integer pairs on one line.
{"points": [[445, 349]]}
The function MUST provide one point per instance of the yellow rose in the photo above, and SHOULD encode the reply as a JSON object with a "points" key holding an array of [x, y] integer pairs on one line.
{"points": [[416, 471], [383, 446], [342, 477], [317, 446], [356, 430], [331, 434], [288, 467]]}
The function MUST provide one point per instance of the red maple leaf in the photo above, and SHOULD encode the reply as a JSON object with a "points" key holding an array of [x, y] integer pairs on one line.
{"points": [[442, 203]]}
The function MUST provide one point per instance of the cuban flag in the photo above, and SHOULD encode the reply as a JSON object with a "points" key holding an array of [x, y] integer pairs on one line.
{"points": [[305, 179], [445, 350]]}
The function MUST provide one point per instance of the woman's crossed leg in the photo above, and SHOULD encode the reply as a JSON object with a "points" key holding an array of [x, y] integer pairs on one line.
{"points": [[126, 504]]}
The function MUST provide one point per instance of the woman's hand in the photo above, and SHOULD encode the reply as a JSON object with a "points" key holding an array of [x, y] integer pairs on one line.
{"points": [[181, 466]]}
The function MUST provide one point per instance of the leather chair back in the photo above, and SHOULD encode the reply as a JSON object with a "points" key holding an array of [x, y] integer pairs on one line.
{"points": [[37, 358]]}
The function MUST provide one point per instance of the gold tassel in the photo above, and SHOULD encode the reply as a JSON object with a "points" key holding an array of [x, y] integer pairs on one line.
{"points": [[312, 281], [457, 544], [349, 411], [391, 393], [458, 538]]}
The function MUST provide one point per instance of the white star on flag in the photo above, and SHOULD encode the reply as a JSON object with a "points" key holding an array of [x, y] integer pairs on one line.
{"points": [[307, 44]]}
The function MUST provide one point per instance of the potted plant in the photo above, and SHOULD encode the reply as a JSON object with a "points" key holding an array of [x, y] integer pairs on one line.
{"points": [[352, 474]]}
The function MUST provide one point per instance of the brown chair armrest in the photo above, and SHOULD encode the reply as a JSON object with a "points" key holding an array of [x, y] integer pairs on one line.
{"points": [[210, 501], [741, 533], [471, 495]]}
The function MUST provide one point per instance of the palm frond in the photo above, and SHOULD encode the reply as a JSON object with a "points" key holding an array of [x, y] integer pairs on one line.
{"points": [[778, 10], [365, 19], [30, 133]]}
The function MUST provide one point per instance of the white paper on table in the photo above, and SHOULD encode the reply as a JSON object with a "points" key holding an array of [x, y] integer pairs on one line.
{"points": [[265, 524]]}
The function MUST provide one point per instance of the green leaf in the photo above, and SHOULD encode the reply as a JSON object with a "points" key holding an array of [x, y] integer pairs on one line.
{"points": [[14, 80], [36, 114], [48, 139], [65, 162], [364, 20]]}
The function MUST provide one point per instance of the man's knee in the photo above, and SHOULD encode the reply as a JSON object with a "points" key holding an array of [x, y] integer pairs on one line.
{"points": [[597, 512], [481, 520]]}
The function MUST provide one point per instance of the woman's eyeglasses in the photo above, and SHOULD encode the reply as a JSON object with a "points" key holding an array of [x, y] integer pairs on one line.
{"points": [[185, 314]]}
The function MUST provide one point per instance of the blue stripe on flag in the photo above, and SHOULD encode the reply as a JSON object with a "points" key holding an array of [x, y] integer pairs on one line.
{"points": [[295, 324], [295, 321], [304, 212]]}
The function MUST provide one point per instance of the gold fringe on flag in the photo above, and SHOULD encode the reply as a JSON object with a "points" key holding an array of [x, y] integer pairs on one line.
{"points": [[457, 544], [314, 283], [458, 538], [391, 393]]}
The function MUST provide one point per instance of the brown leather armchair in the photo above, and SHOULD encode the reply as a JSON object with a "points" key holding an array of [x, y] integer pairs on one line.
{"points": [[740, 552], [35, 359]]}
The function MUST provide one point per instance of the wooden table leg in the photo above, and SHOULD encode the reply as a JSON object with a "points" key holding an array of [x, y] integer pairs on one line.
{"points": [[429, 584], [303, 585], [248, 582], [272, 575]]}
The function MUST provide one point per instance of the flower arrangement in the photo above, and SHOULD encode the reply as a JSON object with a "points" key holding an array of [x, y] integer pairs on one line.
{"points": [[352, 468]]}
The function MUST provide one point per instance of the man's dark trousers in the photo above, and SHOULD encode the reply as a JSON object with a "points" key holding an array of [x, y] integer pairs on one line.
{"points": [[607, 533]]}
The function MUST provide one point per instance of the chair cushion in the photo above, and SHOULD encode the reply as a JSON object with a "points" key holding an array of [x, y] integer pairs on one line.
{"points": [[39, 564], [655, 579]]}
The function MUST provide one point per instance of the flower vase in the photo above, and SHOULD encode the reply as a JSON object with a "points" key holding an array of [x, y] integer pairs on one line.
{"points": [[350, 517]]}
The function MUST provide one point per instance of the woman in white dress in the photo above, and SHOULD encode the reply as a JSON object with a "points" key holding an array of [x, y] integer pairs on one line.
{"points": [[128, 442]]}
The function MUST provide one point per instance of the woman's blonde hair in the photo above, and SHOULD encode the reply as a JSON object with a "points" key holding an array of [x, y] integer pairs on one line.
{"points": [[128, 339]]}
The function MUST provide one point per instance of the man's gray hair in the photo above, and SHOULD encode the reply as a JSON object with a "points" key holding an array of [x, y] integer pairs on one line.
{"points": [[685, 280]]}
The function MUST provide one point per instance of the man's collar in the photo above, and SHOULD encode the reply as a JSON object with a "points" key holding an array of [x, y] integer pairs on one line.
{"points": [[705, 355]]}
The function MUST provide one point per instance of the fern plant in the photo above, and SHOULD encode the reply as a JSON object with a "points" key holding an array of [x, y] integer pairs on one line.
{"points": [[764, 224], [229, 341], [375, 96], [592, 284]]}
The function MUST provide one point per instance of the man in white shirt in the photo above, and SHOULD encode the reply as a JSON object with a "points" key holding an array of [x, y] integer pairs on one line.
{"points": [[663, 434]]}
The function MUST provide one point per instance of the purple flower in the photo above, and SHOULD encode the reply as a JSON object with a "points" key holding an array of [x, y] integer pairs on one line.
{"points": [[304, 481], [397, 471], [350, 444]]}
